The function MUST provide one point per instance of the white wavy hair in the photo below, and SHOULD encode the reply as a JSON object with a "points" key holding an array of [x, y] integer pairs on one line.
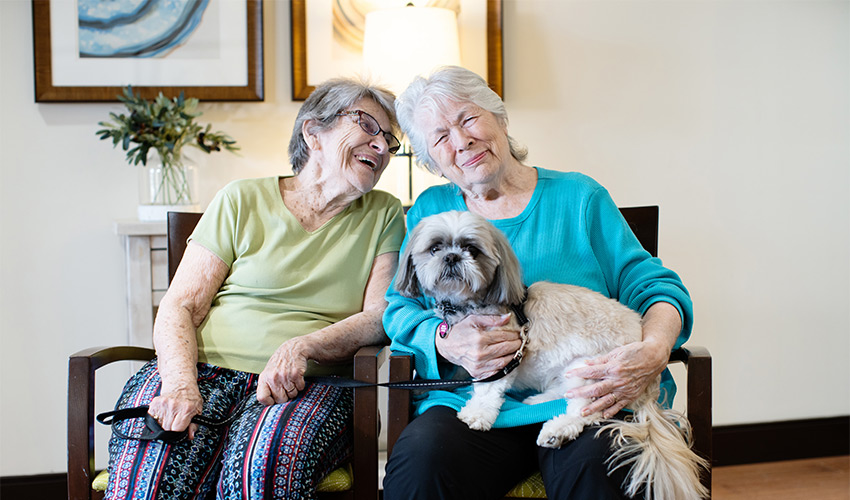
{"points": [[448, 83]]}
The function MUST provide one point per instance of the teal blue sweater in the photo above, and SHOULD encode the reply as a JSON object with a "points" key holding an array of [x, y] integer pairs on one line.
{"points": [[570, 232]]}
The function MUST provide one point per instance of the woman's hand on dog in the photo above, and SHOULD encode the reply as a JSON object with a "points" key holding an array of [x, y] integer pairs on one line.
{"points": [[626, 371], [622, 376], [482, 345]]}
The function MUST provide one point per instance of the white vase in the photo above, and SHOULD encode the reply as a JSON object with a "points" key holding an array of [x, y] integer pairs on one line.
{"points": [[167, 188]]}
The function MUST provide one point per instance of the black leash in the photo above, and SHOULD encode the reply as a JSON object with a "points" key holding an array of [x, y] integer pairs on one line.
{"points": [[418, 384], [426, 384], [153, 431]]}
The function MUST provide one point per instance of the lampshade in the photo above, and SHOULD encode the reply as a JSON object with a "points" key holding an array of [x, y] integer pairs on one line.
{"points": [[400, 43]]}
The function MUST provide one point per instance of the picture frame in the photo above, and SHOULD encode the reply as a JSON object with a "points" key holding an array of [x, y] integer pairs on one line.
{"points": [[302, 88], [58, 55]]}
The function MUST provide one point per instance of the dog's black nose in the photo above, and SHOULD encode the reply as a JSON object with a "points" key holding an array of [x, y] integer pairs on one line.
{"points": [[451, 259]]}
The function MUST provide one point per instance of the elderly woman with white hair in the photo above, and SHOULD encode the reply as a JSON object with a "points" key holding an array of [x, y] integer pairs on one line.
{"points": [[283, 277], [564, 228]]}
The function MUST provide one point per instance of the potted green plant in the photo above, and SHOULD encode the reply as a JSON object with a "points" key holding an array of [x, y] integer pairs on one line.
{"points": [[154, 135]]}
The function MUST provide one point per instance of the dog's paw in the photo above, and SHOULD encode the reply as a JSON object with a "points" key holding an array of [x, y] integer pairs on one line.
{"points": [[558, 431], [476, 418]]}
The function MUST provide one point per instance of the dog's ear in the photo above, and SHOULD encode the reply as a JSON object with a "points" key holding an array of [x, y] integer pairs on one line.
{"points": [[406, 281], [507, 286]]}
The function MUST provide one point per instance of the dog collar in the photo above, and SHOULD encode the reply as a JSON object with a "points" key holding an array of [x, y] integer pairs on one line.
{"points": [[519, 313]]}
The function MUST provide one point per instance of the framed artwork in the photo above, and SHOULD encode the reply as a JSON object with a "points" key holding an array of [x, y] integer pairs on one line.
{"points": [[327, 39], [89, 50]]}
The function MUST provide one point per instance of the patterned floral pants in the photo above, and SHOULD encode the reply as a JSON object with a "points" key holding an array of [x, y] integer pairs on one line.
{"points": [[269, 452]]}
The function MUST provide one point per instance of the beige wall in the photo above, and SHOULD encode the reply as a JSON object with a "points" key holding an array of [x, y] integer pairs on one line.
{"points": [[732, 115]]}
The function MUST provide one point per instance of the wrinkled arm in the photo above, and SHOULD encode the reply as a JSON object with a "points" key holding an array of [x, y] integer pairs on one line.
{"points": [[183, 308], [283, 376], [642, 283]]}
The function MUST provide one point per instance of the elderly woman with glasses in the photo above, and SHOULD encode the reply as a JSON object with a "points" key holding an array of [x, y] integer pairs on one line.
{"points": [[283, 277], [564, 228]]}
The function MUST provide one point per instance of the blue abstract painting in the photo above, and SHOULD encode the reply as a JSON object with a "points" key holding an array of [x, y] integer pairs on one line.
{"points": [[136, 28]]}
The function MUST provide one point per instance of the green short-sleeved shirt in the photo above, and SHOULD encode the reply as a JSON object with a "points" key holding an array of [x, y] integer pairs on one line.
{"points": [[284, 281]]}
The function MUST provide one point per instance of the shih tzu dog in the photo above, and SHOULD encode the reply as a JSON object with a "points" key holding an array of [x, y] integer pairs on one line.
{"points": [[468, 267]]}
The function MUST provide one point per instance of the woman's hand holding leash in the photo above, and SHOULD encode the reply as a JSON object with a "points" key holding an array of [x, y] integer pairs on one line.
{"points": [[173, 409], [482, 345]]}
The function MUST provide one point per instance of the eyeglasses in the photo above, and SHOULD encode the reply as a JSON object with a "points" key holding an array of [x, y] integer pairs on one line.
{"points": [[370, 125]]}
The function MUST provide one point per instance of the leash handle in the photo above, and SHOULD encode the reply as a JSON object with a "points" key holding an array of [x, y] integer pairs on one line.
{"points": [[154, 432]]}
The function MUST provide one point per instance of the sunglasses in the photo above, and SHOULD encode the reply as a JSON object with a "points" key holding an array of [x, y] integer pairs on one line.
{"points": [[370, 125]]}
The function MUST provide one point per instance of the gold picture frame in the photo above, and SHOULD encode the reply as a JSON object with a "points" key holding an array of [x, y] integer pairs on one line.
{"points": [[47, 91], [301, 88]]}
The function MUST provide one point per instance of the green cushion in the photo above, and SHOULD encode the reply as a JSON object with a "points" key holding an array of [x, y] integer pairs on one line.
{"points": [[100, 481], [337, 480], [532, 487]]}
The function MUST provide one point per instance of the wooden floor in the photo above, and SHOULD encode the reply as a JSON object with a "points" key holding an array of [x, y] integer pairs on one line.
{"points": [[816, 478]]}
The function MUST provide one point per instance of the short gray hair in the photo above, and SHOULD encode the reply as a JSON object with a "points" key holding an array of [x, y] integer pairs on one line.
{"points": [[449, 83], [325, 102]]}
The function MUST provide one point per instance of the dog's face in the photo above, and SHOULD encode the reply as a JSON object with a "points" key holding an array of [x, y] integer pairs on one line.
{"points": [[460, 257]]}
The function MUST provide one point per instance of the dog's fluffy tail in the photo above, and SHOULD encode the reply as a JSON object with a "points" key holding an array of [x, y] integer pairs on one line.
{"points": [[655, 444]]}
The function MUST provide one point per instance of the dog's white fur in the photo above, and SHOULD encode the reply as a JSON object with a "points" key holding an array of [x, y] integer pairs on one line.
{"points": [[468, 267]]}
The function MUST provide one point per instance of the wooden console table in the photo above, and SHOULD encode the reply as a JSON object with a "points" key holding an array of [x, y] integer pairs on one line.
{"points": [[145, 247]]}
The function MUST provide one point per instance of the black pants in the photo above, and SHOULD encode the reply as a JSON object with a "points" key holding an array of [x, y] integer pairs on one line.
{"points": [[438, 457]]}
